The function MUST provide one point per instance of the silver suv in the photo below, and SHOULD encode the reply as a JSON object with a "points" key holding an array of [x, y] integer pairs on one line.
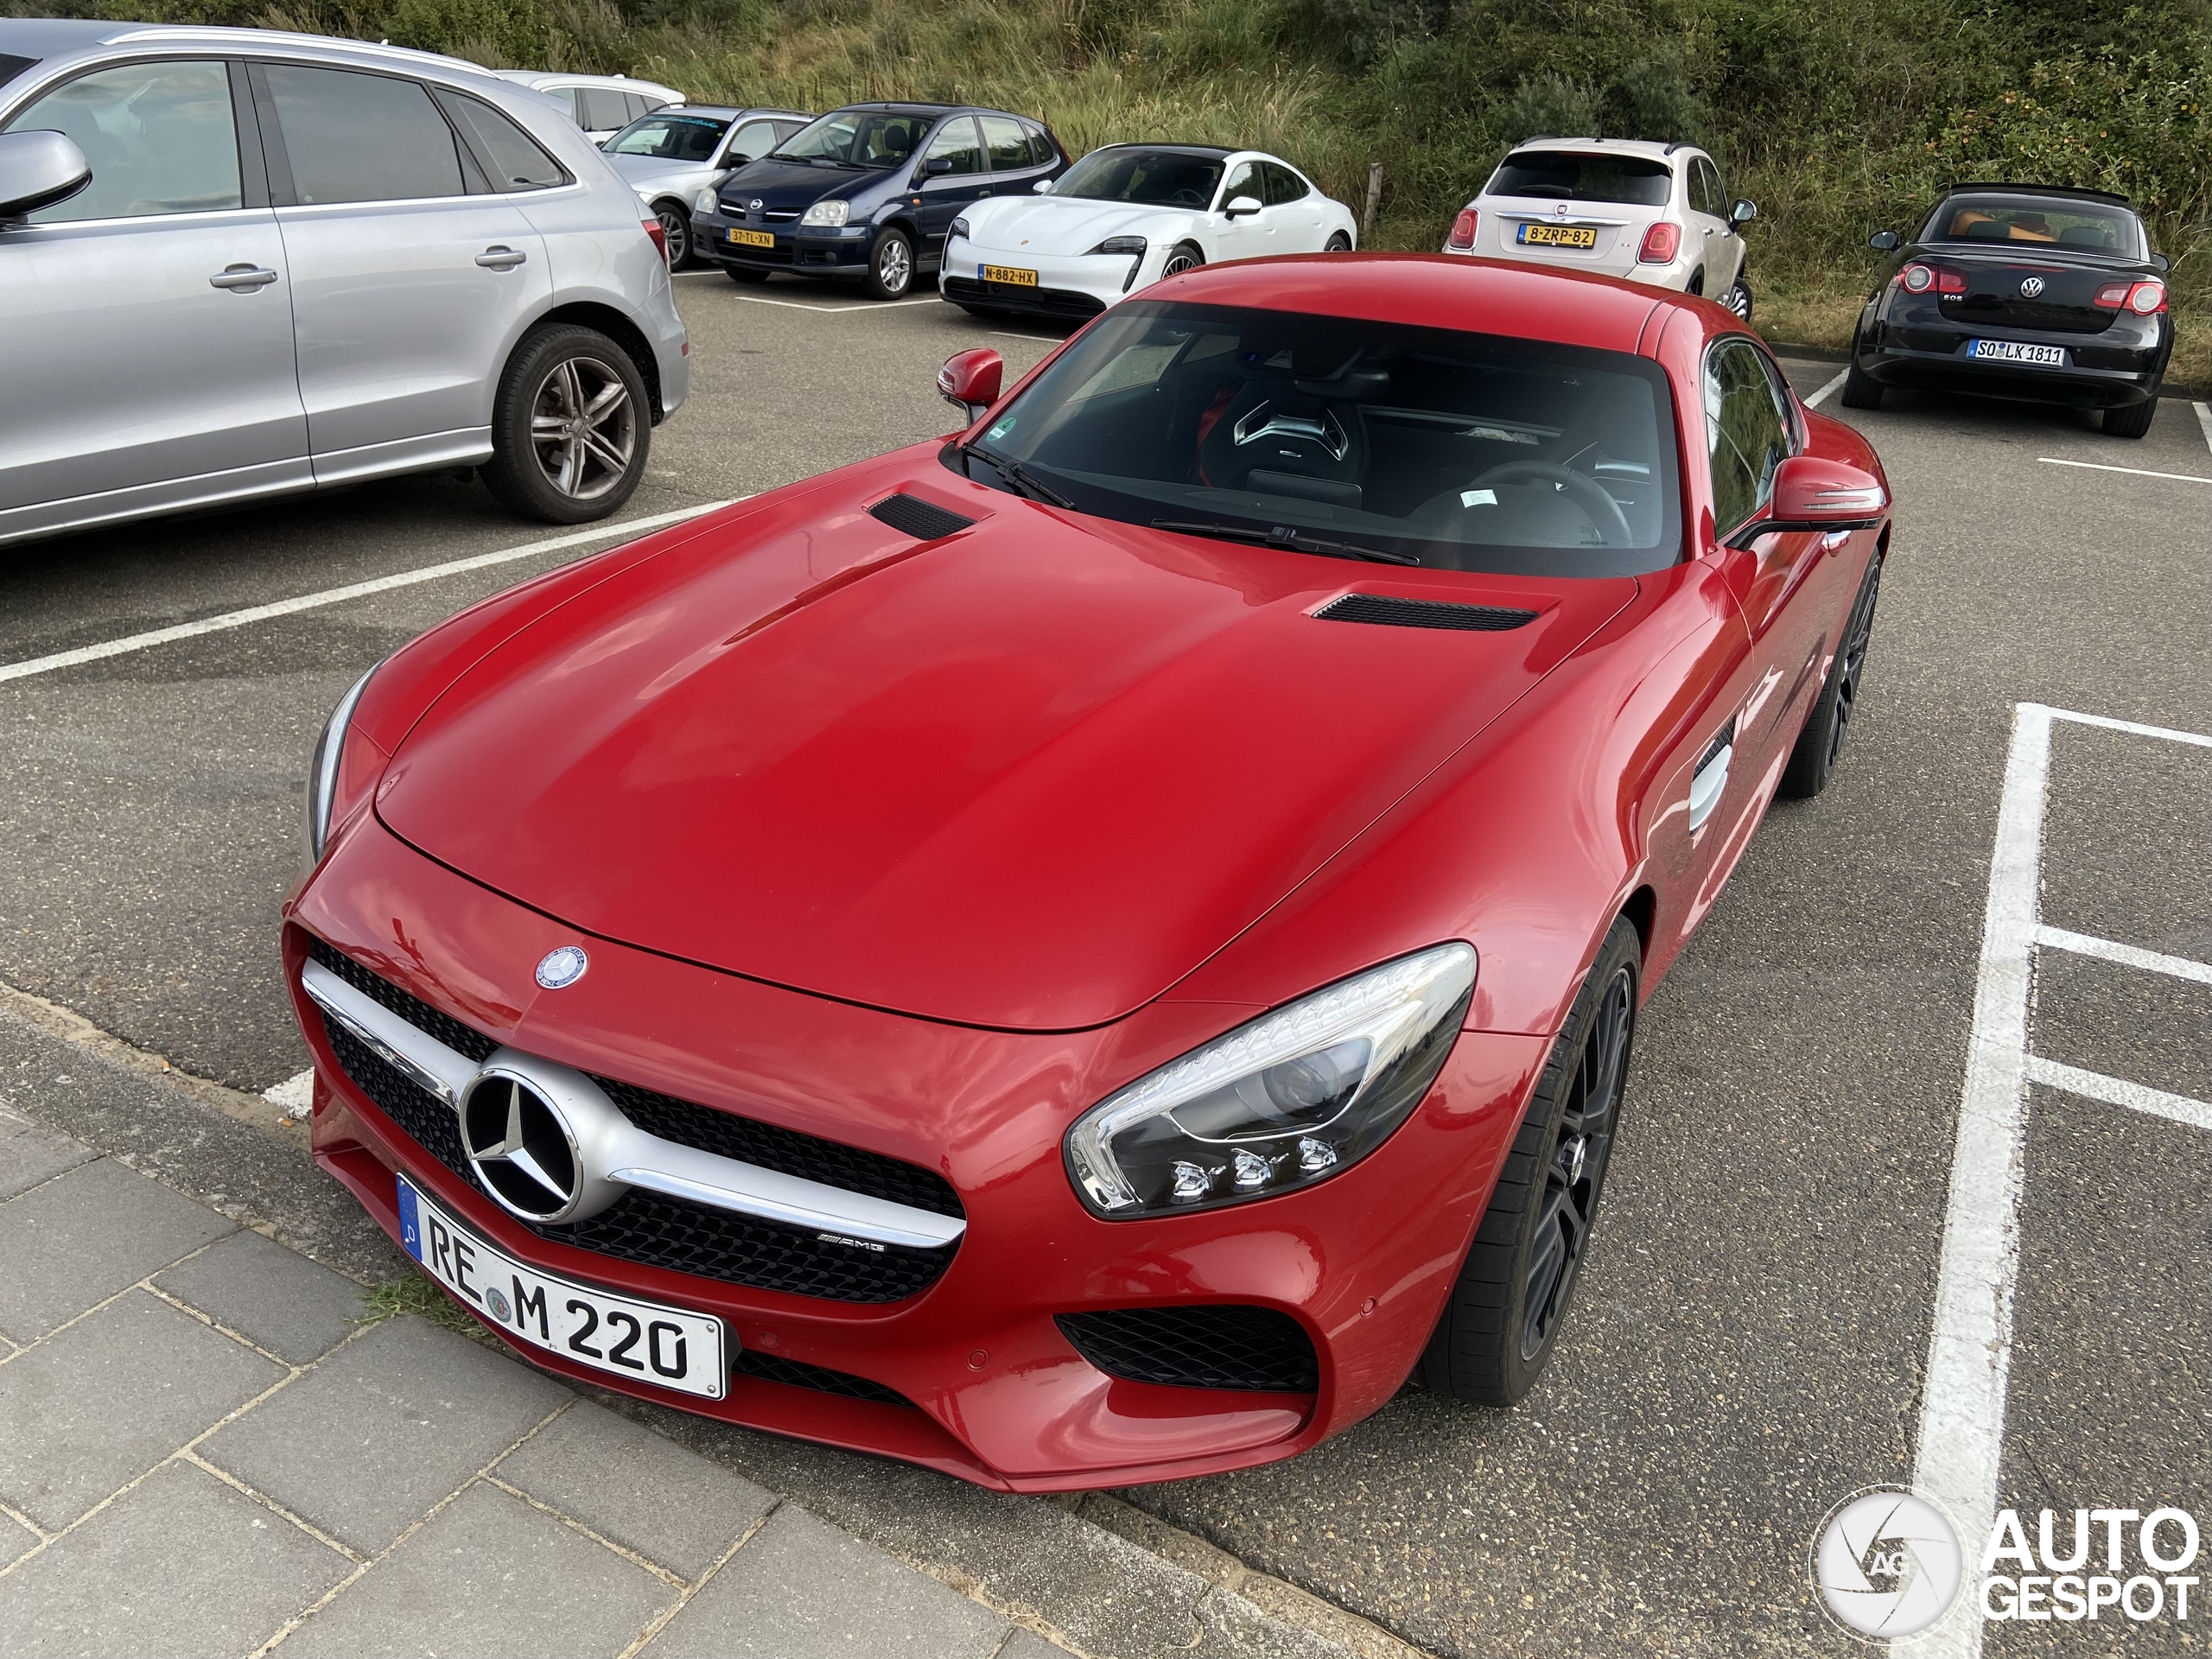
{"points": [[236, 264]]}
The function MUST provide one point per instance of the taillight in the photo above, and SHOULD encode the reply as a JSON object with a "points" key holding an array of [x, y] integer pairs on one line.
{"points": [[659, 236], [1661, 244], [1463, 229], [1918, 278], [1950, 282], [2144, 299]]}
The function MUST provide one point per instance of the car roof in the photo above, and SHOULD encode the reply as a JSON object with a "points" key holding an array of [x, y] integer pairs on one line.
{"points": [[41, 37], [931, 110], [1436, 290], [46, 36]]}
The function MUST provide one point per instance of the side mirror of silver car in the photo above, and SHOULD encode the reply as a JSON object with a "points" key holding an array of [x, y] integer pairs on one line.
{"points": [[1743, 212], [38, 169]]}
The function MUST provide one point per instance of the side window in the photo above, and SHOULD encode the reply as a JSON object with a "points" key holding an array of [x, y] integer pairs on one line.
{"points": [[1746, 434], [1709, 180], [1041, 153], [575, 96], [159, 136], [360, 137], [1283, 185], [957, 143], [517, 161], [604, 107], [785, 129], [750, 142], [1007, 145], [638, 105], [1244, 182]]}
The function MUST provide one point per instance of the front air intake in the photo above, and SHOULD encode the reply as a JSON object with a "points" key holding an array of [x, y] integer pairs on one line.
{"points": [[1386, 610], [1225, 1346], [924, 521]]}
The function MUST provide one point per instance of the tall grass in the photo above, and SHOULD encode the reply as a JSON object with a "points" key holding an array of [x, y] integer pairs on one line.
{"points": [[1839, 116]]}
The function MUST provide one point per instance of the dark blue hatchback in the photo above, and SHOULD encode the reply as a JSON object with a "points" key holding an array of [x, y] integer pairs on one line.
{"points": [[868, 192]]}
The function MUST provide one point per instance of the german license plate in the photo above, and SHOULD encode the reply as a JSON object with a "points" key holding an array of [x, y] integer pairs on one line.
{"points": [[753, 238], [665, 1346], [1557, 236], [2013, 351], [1013, 274]]}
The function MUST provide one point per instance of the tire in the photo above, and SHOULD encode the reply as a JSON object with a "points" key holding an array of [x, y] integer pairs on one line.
{"points": [[676, 229], [1820, 745], [1503, 1317], [542, 466], [1860, 389], [1737, 299], [1696, 287], [2133, 421], [745, 275], [1184, 256], [1338, 243], [890, 266]]}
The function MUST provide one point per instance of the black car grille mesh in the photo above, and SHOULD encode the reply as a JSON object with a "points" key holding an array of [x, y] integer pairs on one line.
{"points": [[924, 520], [1052, 302], [462, 1040], [1394, 613], [1225, 1346], [773, 1368], [661, 1231]]}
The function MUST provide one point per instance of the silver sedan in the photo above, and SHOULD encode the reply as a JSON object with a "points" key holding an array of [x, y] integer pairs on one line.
{"points": [[673, 154]]}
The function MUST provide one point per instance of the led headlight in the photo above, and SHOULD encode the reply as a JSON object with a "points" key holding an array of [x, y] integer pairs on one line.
{"points": [[960, 229], [827, 213], [1132, 244], [322, 769], [706, 201], [1282, 1103]]}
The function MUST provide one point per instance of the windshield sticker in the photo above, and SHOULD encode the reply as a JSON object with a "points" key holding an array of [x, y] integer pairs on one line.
{"points": [[1478, 498], [1002, 429]]}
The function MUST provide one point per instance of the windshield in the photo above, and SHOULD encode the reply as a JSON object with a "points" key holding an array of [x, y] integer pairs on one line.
{"points": [[677, 137], [1567, 175], [1158, 178], [856, 138], [1463, 451], [2040, 221]]}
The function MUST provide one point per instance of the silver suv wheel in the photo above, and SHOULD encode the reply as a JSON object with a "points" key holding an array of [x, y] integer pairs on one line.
{"points": [[583, 428]]}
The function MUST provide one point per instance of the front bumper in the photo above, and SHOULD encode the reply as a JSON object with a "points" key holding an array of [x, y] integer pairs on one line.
{"points": [[1073, 287], [1925, 351], [971, 1375], [815, 251]]}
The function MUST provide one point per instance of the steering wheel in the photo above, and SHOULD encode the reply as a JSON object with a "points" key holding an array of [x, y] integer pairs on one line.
{"points": [[1187, 197], [1595, 500]]}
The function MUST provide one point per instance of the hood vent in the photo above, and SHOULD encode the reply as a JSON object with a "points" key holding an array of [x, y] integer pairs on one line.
{"points": [[911, 516], [1387, 611]]}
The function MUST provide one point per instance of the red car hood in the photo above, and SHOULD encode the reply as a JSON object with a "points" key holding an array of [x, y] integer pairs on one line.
{"points": [[1029, 777]]}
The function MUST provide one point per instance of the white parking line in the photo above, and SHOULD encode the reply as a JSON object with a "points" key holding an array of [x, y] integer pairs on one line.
{"points": [[2133, 472], [2204, 420], [335, 596], [1959, 1453], [1828, 392]]}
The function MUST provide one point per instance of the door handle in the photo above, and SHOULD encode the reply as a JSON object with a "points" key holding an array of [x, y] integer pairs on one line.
{"points": [[245, 278], [500, 258]]}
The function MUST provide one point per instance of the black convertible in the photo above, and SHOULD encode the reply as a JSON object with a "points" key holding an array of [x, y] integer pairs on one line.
{"points": [[2017, 291]]}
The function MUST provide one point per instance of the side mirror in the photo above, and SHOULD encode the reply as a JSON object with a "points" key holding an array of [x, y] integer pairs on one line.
{"points": [[38, 169], [1814, 495], [2159, 262], [1884, 242], [937, 167], [972, 379], [1043, 187], [1241, 207], [739, 160], [1743, 213]]}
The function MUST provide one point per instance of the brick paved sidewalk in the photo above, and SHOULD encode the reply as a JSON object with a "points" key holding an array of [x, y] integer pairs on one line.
{"points": [[203, 1451]]}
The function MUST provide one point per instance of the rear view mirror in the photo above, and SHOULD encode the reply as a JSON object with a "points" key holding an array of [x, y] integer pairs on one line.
{"points": [[1241, 205], [1813, 494], [38, 169], [1743, 213], [1884, 242], [972, 379]]}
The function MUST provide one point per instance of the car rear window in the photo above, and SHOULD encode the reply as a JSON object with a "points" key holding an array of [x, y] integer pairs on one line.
{"points": [[1571, 175], [2039, 221], [1461, 451], [1158, 178]]}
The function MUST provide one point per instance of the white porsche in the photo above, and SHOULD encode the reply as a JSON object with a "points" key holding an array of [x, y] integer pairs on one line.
{"points": [[1127, 215]]}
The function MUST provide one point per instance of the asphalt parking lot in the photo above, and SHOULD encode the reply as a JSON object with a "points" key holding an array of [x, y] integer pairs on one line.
{"points": [[1752, 1339]]}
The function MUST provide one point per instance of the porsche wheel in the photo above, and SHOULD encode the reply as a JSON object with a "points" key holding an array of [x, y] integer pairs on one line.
{"points": [[1503, 1317], [1820, 745], [1184, 256], [2133, 421], [890, 266], [1338, 243]]}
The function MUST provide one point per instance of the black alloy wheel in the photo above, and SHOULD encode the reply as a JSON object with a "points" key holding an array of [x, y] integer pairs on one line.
{"points": [[1820, 745], [675, 232], [571, 429], [1184, 256], [891, 266], [1737, 299], [1338, 243], [1502, 1319]]}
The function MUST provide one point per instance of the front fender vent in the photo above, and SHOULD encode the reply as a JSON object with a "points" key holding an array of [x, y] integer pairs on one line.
{"points": [[924, 521], [1386, 610]]}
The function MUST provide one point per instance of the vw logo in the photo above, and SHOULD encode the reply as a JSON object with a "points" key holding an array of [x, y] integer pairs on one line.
{"points": [[521, 1146], [558, 969], [2030, 286]]}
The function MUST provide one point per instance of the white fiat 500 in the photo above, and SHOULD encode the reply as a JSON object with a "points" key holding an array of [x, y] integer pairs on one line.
{"points": [[1128, 215], [1625, 208]]}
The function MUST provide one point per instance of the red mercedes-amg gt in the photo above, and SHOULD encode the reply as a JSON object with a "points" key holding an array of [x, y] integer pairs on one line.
{"points": [[1090, 952]]}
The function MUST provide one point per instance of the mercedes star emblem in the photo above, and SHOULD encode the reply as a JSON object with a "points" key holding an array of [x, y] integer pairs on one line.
{"points": [[520, 1146], [558, 969], [2030, 286]]}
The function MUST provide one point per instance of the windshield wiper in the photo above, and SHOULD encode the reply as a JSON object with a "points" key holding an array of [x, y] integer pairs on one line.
{"points": [[1023, 480], [1282, 536]]}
